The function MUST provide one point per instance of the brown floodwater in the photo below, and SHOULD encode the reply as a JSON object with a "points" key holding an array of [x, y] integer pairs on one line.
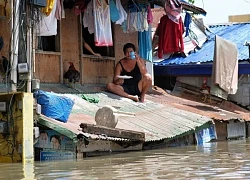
{"points": [[218, 160]]}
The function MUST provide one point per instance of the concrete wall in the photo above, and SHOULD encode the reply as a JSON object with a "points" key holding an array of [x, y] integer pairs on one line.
{"points": [[17, 133]]}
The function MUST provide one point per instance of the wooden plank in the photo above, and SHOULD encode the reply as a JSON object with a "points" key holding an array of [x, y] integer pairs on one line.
{"points": [[97, 71], [48, 67], [112, 132], [221, 130], [70, 39]]}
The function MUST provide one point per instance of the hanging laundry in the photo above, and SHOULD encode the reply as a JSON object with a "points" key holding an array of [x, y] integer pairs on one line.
{"points": [[103, 32], [145, 44], [170, 36], [48, 24], [58, 13], [187, 22], [173, 10], [150, 15], [142, 24], [47, 10], [81, 5], [225, 65], [88, 18], [137, 18], [114, 13], [122, 12]]}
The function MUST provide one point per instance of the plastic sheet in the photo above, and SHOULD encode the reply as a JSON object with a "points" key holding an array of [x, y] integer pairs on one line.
{"points": [[54, 106]]}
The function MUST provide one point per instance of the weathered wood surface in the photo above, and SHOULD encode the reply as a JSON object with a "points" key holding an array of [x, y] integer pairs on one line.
{"points": [[70, 37], [120, 39], [5, 32], [113, 132], [47, 67], [97, 71]]}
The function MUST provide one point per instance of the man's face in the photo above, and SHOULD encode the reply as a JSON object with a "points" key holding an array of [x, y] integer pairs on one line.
{"points": [[43, 140], [127, 52]]}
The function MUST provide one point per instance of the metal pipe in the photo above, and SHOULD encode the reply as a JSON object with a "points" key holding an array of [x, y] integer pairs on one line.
{"points": [[15, 5], [29, 49]]}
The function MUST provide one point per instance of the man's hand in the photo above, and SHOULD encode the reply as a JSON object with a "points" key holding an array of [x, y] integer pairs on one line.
{"points": [[98, 55], [138, 58], [141, 65], [119, 81]]}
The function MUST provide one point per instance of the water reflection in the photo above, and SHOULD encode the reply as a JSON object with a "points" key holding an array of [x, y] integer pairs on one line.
{"points": [[222, 160], [28, 171]]}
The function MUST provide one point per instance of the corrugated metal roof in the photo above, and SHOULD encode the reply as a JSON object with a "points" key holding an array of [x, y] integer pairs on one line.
{"points": [[156, 120], [237, 33], [162, 116], [223, 111]]}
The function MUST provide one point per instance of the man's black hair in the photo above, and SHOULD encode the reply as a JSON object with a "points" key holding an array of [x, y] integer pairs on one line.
{"points": [[44, 132], [128, 45]]}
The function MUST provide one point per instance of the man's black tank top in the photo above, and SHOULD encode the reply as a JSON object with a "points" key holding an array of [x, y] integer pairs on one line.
{"points": [[135, 73]]}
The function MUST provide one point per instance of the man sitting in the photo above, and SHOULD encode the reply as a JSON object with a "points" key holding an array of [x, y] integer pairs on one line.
{"points": [[132, 66]]}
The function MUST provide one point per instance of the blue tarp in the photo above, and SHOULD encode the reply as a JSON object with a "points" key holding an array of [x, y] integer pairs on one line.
{"points": [[54, 105]]}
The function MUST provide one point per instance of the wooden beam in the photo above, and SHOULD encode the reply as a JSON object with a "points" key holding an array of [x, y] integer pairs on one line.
{"points": [[113, 132], [185, 5]]}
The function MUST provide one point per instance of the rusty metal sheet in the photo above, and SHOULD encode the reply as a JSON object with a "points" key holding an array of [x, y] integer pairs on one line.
{"points": [[156, 120], [162, 116], [222, 111]]}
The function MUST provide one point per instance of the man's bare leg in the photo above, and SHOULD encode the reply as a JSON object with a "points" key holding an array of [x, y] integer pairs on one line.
{"points": [[117, 89], [134, 98], [144, 85]]}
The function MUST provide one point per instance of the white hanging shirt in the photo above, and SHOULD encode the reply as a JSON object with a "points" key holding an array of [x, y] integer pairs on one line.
{"points": [[88, 18], [48, 24], [103, 32]]}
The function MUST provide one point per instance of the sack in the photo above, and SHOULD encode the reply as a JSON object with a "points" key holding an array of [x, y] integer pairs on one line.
{"points": [[53, 105]]}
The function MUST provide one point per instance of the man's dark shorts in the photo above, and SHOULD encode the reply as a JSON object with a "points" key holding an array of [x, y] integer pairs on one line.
{"points": [[132, 89]]}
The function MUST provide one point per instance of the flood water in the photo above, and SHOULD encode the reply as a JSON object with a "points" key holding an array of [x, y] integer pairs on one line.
{"points": [[221, 160]]}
